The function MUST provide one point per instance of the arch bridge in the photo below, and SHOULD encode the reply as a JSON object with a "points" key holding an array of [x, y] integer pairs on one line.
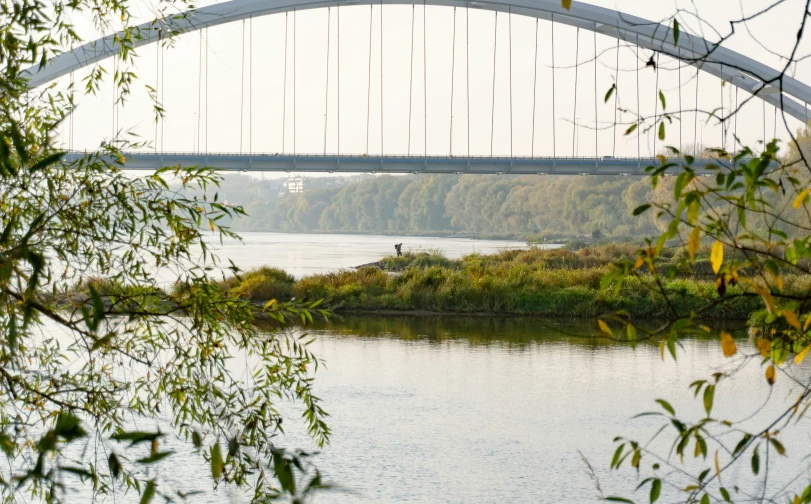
{"points": [[761, 81]]}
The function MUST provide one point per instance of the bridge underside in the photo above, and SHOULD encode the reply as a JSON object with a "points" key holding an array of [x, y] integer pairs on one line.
{"points": [[397, 164]]}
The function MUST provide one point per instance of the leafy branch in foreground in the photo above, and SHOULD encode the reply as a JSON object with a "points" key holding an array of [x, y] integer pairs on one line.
{"points": [[754, 215], [80, 375]]}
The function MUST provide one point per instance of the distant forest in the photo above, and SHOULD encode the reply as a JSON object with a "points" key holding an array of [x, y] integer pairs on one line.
{"points": [[478, 205]]}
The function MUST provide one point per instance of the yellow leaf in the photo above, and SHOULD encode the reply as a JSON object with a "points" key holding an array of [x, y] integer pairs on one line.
{"points": [[717, 256], [800, 356], [717, 466], [807, 323], [770, 374], [211, 225], [566, 4], [778, 280], [728, 344], [798, 201], [766, 295], [639, 262], [791, 318], [796, 500], [693, 241], [764, 346], [604, 327]]}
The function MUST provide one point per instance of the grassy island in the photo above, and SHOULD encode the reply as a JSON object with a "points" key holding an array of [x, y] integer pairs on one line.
{"points": [[558, 282]]}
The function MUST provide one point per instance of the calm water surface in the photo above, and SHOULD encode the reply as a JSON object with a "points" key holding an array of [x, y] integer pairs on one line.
{"points": [[498, 410], [302, 254], [480, 410]]}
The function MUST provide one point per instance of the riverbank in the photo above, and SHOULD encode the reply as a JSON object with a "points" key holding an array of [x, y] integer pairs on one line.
{"points": [[554, 283]]}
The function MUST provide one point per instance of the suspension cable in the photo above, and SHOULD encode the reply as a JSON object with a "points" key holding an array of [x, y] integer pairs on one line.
{"points": [[616, 99], [493, 107], [764, 124], [681, 144], [425, 78], [638, 105], [115, 91], [596, 123], [72, 110], [576, 66], [295, 33], [554, 113], [338, 50], [381, 77], [199, 90], [157, 85], [453, 68], [411, 80], [369, 81], [775, 124], [326, 92], [510, 43], [250, 85], [534, 90], [723, 122], [695, 120], [735, 133], [206, 121], [284, 92], [242, 89], [467, 73], [656, 105]]}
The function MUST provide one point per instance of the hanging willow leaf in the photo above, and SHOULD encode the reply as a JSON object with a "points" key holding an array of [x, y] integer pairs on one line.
{"points": [[631, 129], [609, 93], [675, 32], [566, 4], [662, 99], [661, 131]]}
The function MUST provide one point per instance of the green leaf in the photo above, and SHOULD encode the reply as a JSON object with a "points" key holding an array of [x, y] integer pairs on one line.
{"points": [[778, 446], [284, 473], [149, 492], [755, 462], [666, 405], [154, 458], [655, 490], [709, 396], [661, 130], [46, 162], [136, 437], [664, 106], [631, 129], [68, 427], [619, 499], [725, 494], [616, 458], [705, 499], [641, 209], [114, 464], [609, 93], [216, 461], [675, 32]]}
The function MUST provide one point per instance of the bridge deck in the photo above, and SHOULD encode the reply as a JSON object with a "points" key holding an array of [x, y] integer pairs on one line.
{"points": [[346, 163]]}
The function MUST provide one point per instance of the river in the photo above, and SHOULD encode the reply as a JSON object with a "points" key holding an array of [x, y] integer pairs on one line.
{"points": [[303, 254], [487, 409]]}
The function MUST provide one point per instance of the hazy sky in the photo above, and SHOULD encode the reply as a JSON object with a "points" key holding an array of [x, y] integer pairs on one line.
{"points": [[256, 113]]}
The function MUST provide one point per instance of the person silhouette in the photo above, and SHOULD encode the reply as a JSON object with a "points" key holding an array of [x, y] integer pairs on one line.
{"points": [[399, 248]]}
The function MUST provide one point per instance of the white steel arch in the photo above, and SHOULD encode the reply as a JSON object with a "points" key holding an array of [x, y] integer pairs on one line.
{"points": [[782, 91]]}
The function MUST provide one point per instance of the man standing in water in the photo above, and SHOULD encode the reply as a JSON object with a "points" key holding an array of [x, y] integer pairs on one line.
{"points": [[399, 248]]}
